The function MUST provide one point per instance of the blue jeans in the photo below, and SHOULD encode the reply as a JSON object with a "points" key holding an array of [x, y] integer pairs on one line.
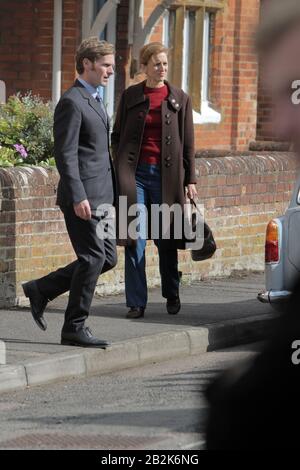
{"points": [[148, 187]]}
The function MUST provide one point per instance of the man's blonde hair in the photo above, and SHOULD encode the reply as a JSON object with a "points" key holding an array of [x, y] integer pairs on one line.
{"points": [[277, 18], [92, 48]]}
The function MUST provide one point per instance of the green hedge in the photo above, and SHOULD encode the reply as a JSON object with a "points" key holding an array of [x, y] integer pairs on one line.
{"points": [[26, 136]]}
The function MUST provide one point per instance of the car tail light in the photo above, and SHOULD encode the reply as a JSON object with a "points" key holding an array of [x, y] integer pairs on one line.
{"points": [[272, 243]]}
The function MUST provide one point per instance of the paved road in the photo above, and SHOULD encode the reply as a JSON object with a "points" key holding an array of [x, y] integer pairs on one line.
{"points": [[161, 406]]}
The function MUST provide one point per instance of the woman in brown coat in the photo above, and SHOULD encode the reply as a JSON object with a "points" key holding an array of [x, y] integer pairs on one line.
{"points": [[153, 150]]}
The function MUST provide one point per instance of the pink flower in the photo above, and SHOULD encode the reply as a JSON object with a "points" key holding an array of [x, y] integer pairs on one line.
{"points": [[21, 149]]}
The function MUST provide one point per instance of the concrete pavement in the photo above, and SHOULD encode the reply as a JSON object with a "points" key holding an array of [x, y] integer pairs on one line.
{"points": [[215, 314]]}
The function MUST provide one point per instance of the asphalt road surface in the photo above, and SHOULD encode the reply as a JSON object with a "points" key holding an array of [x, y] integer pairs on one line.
{"points": [[160, 406]]}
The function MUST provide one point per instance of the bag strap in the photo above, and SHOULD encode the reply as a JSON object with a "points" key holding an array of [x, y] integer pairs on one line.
{"points": [[195, 205]]}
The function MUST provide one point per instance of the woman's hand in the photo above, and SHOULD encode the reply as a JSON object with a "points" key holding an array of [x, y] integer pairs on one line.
{"points": [[191, 191]]}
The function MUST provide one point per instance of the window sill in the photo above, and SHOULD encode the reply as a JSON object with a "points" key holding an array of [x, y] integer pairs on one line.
{"points": [[207, 116]]}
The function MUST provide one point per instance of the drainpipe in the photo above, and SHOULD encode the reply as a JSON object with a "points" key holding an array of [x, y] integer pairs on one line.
{"points": [[57, 47]]}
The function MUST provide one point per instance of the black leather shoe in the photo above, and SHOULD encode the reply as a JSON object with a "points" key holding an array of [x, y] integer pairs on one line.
{"points": [[135, 312], [173, 305], [84, 338], [37, 303]]}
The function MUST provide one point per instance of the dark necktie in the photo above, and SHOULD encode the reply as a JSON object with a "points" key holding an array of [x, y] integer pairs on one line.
{"points": [[99, 99]]}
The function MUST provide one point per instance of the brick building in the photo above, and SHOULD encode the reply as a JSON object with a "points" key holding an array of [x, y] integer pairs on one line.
{"points": [[211, 57]]}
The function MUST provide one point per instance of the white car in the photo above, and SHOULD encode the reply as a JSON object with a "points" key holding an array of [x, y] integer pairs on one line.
{"points": [[282, 254]]}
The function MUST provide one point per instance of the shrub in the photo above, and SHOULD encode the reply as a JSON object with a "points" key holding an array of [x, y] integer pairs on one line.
{"points": [[26, 136]]}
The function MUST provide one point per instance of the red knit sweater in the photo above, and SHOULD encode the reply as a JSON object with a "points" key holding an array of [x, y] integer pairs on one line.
{"points": [[151, 144]]}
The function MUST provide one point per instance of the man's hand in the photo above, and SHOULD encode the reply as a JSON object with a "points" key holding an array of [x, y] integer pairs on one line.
{"points": [[83, 210], [191, 191]]}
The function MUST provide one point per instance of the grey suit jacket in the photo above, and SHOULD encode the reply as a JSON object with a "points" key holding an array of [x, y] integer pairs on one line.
{"points": [[81, 149]]}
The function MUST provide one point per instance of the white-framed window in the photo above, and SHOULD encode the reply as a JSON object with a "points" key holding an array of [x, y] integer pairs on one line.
{"points": [[108, 93], [187, 31], [91, 10], [98, 4], [206, 57], [188, 34]]}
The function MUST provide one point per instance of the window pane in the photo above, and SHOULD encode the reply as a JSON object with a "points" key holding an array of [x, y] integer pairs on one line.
{"points": [[188, 51], [206, 58], [103, 35], [165, 36], [185, 55], [168, 36], [191, 48], [98, 4]]}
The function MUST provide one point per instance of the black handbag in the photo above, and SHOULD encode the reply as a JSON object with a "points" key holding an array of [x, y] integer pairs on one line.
{"points": [[209, 245]]}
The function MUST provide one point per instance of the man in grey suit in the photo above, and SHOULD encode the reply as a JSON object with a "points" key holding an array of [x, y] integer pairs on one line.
{"points": [[81, 142]]}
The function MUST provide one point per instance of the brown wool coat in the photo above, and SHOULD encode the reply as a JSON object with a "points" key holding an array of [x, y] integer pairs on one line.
{"points": [[177, 151]]}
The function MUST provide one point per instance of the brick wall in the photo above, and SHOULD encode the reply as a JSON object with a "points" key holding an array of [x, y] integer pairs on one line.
{"points": [[72, 15], [26, 37], [33, 239], [122, 52], [265, 130], [234, 78], [234, 74], [241, 194], [26, 61]]}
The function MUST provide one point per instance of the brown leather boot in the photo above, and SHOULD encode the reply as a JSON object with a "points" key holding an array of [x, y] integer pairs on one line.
{"points": [[135, 312]]}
